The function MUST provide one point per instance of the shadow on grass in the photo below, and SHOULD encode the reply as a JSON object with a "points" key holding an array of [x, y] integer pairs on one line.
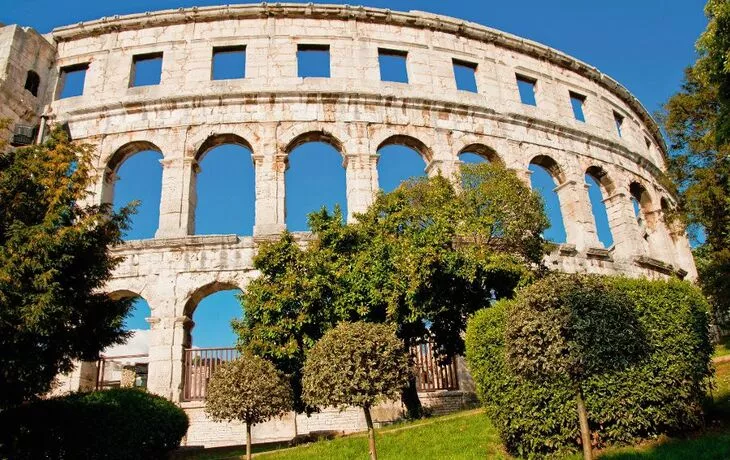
{"points": [[709, 446], [220, 453]]}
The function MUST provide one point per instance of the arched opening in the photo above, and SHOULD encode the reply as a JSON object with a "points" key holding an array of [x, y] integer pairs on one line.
{"points": [[545, 176], [315, 178], [225, 187], [136, 175], [209, 338], [127, 364], [478, 153], [401, 158], [32, 82], [641, 202], [600, 187]]}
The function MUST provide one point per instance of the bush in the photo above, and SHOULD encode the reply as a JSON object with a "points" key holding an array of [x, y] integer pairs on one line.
{"points": [[111, 424], [661, 394]]}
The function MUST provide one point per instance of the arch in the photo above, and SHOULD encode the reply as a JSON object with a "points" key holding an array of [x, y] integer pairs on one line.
{"points": [[551, 166], [321, 135], [483, 151], [223, 187], [641, 196], [315, 178], [32, 82], [600, 187], [216, 140], [545, 178], [410, 142], [212, 307], [140, 162], [127, 150]]}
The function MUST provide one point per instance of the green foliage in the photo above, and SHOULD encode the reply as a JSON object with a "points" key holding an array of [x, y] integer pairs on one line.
{"points": [[697, 122], [662, 393], [422, 254], [54, 258], [111, 424], [355, 364], [574, 326], [248, 389]]}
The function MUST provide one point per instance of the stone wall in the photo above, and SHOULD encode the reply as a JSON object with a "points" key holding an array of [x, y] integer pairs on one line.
{"points": [[272, 110]]}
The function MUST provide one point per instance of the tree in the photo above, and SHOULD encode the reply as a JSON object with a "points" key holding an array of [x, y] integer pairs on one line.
{"points": [[248, 389], [574, 327], [54, 259], [423, 258], [356, 364], [697, 122]]}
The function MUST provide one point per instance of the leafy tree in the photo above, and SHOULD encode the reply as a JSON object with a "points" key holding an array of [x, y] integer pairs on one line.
{"points": [[575, 327], [249, 389], [423, 258], [356, 364], [697, 122], [54, 258]]}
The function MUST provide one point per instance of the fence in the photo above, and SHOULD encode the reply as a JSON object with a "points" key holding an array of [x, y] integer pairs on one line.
{"points": [[431, 375], [199, 364]]}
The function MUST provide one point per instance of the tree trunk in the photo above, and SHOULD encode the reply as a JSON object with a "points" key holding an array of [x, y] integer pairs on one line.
{"points": [[248, 441], [409, 397], [585, 431], [371, 433]]}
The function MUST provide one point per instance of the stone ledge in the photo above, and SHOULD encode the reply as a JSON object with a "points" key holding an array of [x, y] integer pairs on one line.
{"points": [[183, 242], [599, 253], [654, 264], [567, 250]]}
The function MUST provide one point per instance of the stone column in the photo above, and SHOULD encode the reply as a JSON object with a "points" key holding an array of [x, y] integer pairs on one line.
{"points": [[167, 344], [628, 238], [445, 168], [104, 186], [682, 250], [191, 169], [578, 220], [361, 173], [172, 222], [270, 194]]}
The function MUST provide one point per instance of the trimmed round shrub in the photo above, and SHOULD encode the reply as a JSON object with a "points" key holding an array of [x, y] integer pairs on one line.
{"points": [[112, 424], [662, 393]]}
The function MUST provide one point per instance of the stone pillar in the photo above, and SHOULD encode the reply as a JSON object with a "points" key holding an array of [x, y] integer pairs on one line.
{"points": [[445, 168], [683, 251], [270, 194], [580, 226], [661, 246], [628, 238], [167, 344], [104, 186], [172, 224], [361, 173], [191, 169]]}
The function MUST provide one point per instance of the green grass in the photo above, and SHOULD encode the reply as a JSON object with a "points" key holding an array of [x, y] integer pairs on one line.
{"points": [[722, 348], [470, 435]]}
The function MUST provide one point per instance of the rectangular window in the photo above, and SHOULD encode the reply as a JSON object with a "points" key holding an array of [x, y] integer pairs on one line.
{"points": [[72, 80], [146, 69], [577, 101], [619, 119], [229, 62], [526, 86], [465, 74], [393, 65], [313, 61]]}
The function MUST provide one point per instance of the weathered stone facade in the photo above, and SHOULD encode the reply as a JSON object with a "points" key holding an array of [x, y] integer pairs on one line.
{"points": [[271, 111]]}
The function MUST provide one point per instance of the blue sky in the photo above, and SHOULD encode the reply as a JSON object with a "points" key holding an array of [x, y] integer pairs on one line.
{"points": [[644, 44]]}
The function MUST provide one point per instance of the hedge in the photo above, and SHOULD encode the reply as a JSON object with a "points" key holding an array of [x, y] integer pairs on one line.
{"points": [[110, 424], [663, 393]]}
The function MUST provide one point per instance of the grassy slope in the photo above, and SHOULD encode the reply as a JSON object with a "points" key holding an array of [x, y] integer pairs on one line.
{"points": [[469, 435]]}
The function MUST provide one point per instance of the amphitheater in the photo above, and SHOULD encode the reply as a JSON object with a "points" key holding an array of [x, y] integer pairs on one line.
{"points": [[272, 110]]}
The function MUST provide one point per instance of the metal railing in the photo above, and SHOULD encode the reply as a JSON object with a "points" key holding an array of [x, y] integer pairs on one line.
{"points": [[110, 371], [199, 364], [432, 375]]}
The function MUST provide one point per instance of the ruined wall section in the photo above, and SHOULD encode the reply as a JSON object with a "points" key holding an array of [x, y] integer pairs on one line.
{"points": [[22, 50]]}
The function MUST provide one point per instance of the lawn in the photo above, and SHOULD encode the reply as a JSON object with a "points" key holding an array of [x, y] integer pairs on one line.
{"points": [[470, 435], [723, 348]]}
